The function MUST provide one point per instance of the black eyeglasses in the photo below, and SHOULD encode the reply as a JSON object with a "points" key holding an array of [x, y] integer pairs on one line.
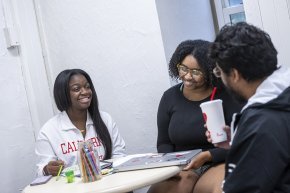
{"points": [[217, 72], [183, 70]]}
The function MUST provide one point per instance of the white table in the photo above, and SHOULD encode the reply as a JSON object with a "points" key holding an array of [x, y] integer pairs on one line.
{"points": [[117, 182]]}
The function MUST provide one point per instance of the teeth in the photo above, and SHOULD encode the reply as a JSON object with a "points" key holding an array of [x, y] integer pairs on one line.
{"points": [[84, 99]]}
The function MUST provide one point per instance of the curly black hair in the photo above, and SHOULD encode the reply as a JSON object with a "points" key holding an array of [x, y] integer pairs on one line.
{"points": [[246, 48], [199, 50]]}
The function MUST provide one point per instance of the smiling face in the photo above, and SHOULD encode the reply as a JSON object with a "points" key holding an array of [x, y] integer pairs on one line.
{"points": [[190, 80], [80, 93]]}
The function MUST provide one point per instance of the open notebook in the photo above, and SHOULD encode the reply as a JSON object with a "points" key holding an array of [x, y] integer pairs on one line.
{"points": [[157, 160]]}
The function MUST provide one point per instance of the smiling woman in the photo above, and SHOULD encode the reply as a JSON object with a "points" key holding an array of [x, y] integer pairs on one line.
{"points": [[80, 93], [79, 120], [181, 124]]}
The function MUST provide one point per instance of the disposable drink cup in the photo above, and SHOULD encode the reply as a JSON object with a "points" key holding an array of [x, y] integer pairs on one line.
{"points": [[214, 117]]}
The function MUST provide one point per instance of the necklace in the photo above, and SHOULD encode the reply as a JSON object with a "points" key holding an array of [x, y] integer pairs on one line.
{"points": [[82, 130]]}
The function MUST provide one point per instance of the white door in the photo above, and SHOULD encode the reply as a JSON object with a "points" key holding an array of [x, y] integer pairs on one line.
{"points": [[23, 88]]}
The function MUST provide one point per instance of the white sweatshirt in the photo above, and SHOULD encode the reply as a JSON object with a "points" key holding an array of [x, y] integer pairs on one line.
{"points": [[58, 140]]}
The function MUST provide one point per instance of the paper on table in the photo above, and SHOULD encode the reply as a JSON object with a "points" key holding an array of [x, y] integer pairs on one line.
{"points": [[40, 180]]}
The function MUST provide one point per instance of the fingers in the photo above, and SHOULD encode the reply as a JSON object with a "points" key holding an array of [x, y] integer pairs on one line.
{"points": [[188, 166], [54, 166], [207, 133], [56, 163], [199, 160], [227, 128], [192, 165], [208, 136]]}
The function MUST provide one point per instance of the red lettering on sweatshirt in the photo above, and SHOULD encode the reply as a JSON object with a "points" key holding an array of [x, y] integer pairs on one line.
{"points": [[96, 141], [61, 145], [74, 146], [70, 147]]}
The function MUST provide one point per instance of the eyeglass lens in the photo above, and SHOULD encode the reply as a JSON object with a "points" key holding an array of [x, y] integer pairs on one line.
{"points": [[183, 70], [217, 72]]}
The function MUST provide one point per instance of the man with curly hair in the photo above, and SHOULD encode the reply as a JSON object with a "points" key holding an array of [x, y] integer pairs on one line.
{"points": [[259, 155]]}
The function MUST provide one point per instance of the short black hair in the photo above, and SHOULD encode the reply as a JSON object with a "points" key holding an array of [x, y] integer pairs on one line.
{"points": [[199, 50], [62, 99], [246, 48]]}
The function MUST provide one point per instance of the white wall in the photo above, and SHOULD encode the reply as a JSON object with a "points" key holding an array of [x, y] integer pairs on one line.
{"points": [[16, 131], [26, 103], [182, 20], [273, 17], [119, 44]]}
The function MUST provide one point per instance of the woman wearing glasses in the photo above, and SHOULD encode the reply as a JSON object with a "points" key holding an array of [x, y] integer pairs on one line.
{"points": [[181, 124]]}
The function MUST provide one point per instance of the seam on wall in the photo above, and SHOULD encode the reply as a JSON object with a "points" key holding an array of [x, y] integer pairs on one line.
{"points": [[31, 60], [44, 51], [260, 14], [288, 7]]}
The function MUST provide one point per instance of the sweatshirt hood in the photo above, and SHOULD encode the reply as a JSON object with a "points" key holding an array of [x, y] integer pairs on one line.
{"points": [[273, 92]]}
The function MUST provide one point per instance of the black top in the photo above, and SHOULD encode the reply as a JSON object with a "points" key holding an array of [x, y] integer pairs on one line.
{"points": [[181, 124]]}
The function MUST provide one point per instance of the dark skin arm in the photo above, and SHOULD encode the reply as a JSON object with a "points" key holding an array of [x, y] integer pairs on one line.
{"points": [[206, 156], [199, 160]]}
